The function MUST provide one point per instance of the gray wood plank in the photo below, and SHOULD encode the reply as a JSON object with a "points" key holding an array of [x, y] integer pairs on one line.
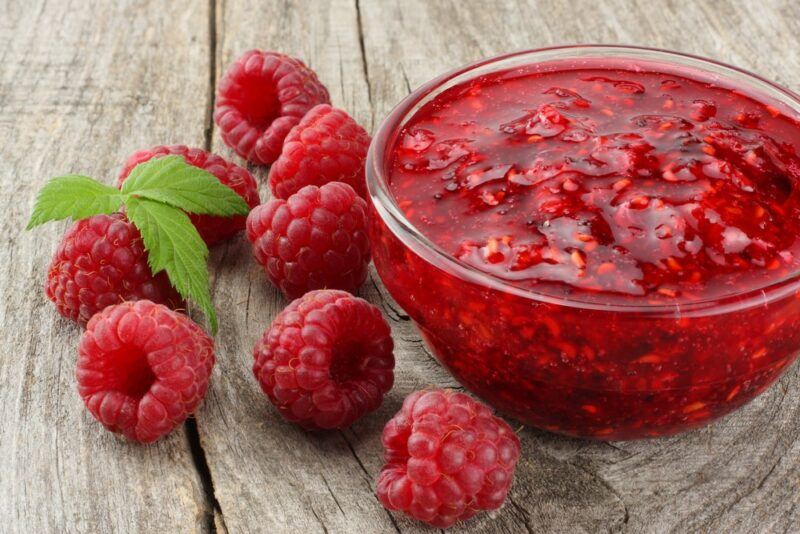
{"points": [[269, 476], [325, 482], [95, 81], [741, 474], [83, 84]]}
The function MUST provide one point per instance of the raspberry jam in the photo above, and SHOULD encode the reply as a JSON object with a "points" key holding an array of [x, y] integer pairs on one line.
{"points": [[601, 247]]}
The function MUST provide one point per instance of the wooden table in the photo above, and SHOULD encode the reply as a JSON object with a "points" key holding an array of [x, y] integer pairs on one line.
{"points": [[85, 83]]}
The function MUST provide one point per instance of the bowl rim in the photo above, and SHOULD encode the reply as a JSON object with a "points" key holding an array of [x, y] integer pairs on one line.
{"points": [[392, 216]]}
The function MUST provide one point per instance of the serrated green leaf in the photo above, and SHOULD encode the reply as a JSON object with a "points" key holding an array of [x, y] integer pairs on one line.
{"points": [[73, 196], [173, 245], [173, 181]]}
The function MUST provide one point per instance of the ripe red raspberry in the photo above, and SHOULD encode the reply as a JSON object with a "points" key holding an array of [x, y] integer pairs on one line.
{"points": [[260, 98], [143, 368], [101, 261], [327, 146], [326, 360], [447, 458], [211, 229], [315, 239]]}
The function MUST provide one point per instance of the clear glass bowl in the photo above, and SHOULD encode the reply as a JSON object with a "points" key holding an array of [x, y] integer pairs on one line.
{"points": [[604, 370]]}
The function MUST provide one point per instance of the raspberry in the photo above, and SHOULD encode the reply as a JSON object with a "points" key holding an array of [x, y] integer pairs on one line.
{"points": [[101, 261], [327, 146], [260, 98], [212, 229], [315, 239], [447, 458], [143, 368], [326, 360]]}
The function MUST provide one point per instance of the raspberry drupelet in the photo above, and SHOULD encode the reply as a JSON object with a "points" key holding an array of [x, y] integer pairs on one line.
{"points": [[212, 229], [260, 98], [143, 368], [326, 360], [326, 146], [101, 261], [447, 458], [316, 239]]}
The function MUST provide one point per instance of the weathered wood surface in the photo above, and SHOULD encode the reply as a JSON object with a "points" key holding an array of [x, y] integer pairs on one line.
{"points": [[82, 84]]}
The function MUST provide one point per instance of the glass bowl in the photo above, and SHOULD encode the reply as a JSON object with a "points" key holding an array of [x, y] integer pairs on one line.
{"points": [[604, 370]]}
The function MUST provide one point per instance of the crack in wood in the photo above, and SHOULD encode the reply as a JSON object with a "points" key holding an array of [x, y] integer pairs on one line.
{"points": [[212, 72], [766, 476], [319, 519], [405, 79], [611, 489], [364, 65], [211, 504], [393, 312], [367, 477], [523, 513], [328, 486], [212, 508]]}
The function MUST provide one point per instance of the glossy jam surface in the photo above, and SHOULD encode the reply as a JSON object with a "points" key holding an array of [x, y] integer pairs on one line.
{"points": [[629, 184], [626, 219]]}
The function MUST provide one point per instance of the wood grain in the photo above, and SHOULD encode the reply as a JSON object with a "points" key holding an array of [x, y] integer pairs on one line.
{"points": [[268, 475], [82, 84], [738, 475]]}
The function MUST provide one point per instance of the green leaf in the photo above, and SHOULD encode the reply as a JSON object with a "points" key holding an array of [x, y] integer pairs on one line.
{"points": [[73, 196], [173, 245], [173, 181]]}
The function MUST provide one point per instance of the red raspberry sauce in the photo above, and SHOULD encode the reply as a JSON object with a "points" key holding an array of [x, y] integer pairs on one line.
{"points": [[601, 186], [636, 184]]}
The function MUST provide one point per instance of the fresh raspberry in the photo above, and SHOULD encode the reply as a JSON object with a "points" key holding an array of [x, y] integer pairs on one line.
{"points": [[212, 229], [315, 239], [326, 360], [260, 98], [447, 458], [326, 146], [101, 261], [143, 368]]}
